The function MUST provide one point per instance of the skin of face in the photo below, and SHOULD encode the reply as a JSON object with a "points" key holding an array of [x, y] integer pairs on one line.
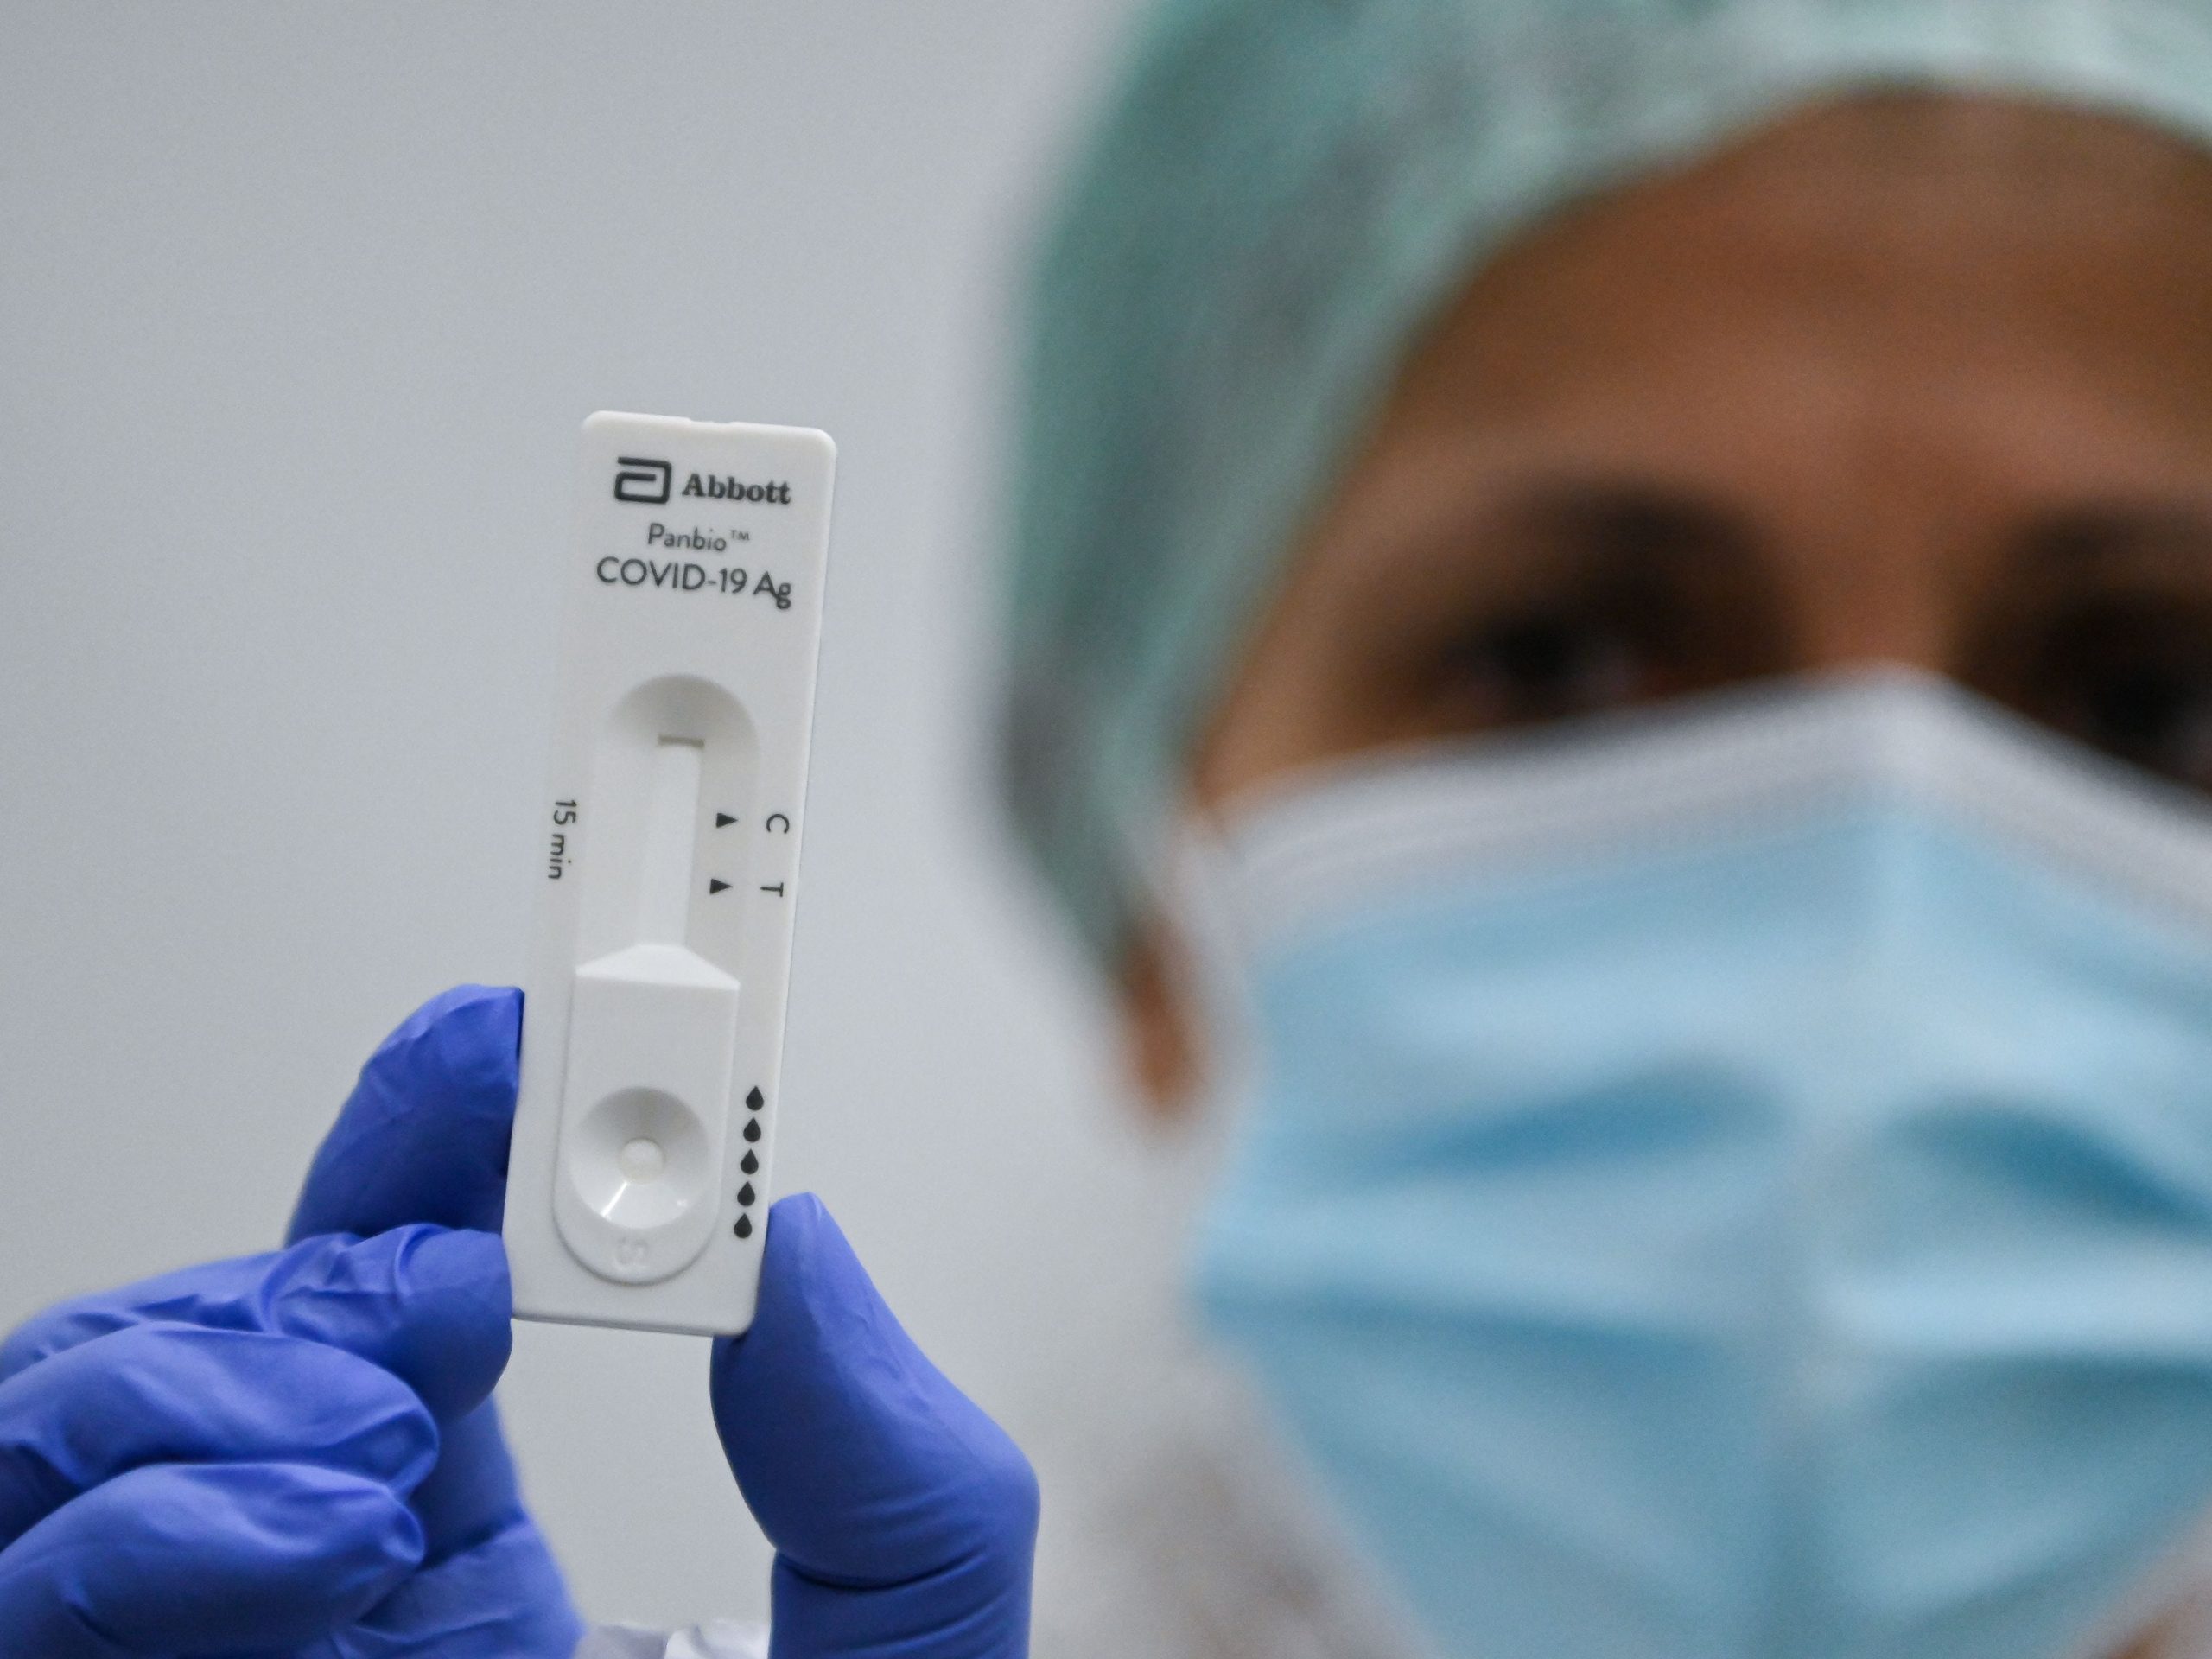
{"points": [[1905, 378]]}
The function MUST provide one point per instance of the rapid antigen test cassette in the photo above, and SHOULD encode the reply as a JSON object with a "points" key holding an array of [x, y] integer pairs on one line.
{"points": [[653, 1029]]}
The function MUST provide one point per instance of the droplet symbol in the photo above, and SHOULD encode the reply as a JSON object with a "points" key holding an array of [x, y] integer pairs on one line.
{"points": [[752, 1164], [755, 1101], [746, 1194], [753, 1128], [744, 1228]]}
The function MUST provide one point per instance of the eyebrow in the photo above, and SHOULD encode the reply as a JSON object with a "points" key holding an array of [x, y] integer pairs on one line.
{"points": [[1567, 503], [1624, 505], [1540, 511], [2075, 540]]}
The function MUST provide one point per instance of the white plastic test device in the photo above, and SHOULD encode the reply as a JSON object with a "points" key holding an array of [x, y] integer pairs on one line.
{"points": [[652, 1032]]}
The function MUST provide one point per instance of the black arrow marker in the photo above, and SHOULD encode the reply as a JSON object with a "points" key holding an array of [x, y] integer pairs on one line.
{"points": [[714, 886], [722, 820]]}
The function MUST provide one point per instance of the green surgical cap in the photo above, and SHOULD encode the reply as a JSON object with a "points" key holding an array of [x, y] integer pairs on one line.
{"points": [[1281, 192]]}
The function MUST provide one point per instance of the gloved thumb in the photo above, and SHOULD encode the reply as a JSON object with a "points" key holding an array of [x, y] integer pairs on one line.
{"points": [[423, 1136], [903, 1519]]}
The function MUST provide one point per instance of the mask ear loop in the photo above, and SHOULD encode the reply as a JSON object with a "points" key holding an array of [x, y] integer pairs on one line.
{"points": [[1191, 894]]}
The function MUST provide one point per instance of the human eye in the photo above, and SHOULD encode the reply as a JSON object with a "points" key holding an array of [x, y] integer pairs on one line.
{"points": [[1626, 597], [2114, 648], [1545, 661], [2134, 681]]}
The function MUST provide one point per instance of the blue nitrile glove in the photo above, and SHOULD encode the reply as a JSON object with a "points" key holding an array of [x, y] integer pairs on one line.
{"points": [[241, 1459], [903, 1519], [293, 1456], [424, 1139]]}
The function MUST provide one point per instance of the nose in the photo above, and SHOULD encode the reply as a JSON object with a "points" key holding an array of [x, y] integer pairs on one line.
{"points": [[1881, 581], [1882, 628]]}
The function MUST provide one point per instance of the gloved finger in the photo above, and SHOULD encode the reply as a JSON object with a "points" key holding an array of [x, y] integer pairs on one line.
{"points": [[430, 1307], [423, 1138], [501, 1599], [473, 1493], [182, 1560], [423, 1135], [903, 1519], [179, 1394]]}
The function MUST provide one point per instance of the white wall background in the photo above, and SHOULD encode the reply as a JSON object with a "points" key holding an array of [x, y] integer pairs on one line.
{"points": [[299, 309]]}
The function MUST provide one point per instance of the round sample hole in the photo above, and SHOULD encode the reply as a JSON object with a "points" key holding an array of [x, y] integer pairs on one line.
{"points": [[639, 1160], [642, 1160]]}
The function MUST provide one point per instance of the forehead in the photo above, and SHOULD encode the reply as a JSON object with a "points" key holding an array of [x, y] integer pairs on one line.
{"points": [[1922, 254]]}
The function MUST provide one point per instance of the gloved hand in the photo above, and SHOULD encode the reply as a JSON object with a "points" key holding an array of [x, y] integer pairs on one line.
{"points": [[903, 1519], [296, 1454]]}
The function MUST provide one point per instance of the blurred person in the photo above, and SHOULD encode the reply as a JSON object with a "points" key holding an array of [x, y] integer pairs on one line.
{"points": [[1611, 654], [1609, 649]]}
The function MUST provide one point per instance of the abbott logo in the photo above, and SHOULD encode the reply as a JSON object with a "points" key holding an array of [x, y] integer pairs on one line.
{"points": [[641, 479]]}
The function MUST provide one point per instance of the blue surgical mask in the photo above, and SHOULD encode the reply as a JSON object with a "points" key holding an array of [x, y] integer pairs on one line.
{"points": [[1736, 1185]]}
